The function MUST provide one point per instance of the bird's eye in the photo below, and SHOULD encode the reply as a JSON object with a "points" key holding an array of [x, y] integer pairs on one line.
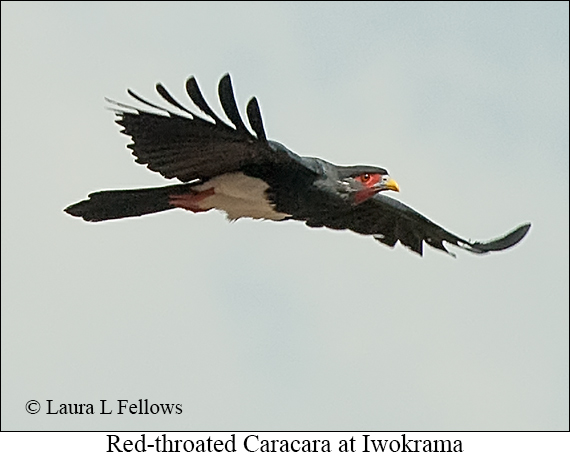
{"points": [[368, 179]]}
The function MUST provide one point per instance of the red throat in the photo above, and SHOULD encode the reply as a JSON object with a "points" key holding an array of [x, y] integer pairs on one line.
{"points": [[364, 195]]}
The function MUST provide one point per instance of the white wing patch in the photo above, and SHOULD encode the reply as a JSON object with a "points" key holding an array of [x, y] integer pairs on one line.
{"points": [[239, 196]]}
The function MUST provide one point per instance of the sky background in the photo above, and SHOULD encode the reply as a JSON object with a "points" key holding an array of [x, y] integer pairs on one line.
{"points": [[274, 326]]}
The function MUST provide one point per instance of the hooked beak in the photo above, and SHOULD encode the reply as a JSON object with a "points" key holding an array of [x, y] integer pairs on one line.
{"points": [[388, 184]]}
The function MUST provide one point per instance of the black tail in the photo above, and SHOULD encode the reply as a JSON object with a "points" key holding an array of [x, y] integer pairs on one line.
{"points": [[116, 204]]}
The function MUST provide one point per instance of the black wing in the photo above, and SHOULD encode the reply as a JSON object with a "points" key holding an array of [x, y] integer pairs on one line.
{"points": [[189, 147], [390, 221]]}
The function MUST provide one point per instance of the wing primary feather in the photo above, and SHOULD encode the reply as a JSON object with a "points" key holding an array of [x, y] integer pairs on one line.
{"points": [[146, 102], [255, 119], [122, 106], [170, 99], [193, 91], [228, 101], [498, 244]]}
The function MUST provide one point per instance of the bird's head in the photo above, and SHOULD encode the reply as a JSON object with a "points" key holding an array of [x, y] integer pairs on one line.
{"points": [[359, 183]]}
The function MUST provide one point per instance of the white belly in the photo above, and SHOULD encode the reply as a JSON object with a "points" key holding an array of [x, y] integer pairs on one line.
{"points": [[238, 196]]}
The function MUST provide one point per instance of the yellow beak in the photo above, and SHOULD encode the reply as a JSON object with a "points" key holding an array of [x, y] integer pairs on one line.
{"points": [[391, 185]]}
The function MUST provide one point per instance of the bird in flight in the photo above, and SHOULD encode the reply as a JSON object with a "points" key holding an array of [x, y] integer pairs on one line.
{"points": [[242, 173]]}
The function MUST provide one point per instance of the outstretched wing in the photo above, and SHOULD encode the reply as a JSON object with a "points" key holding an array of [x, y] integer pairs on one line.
{"points": [[189, 147], [390, 221]]}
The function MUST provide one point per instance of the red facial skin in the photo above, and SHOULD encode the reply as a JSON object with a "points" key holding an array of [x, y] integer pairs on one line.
{"points": [[369, 181]]}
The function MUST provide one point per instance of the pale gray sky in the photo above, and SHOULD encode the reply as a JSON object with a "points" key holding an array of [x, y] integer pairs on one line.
{"points": [[262, 325]]}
